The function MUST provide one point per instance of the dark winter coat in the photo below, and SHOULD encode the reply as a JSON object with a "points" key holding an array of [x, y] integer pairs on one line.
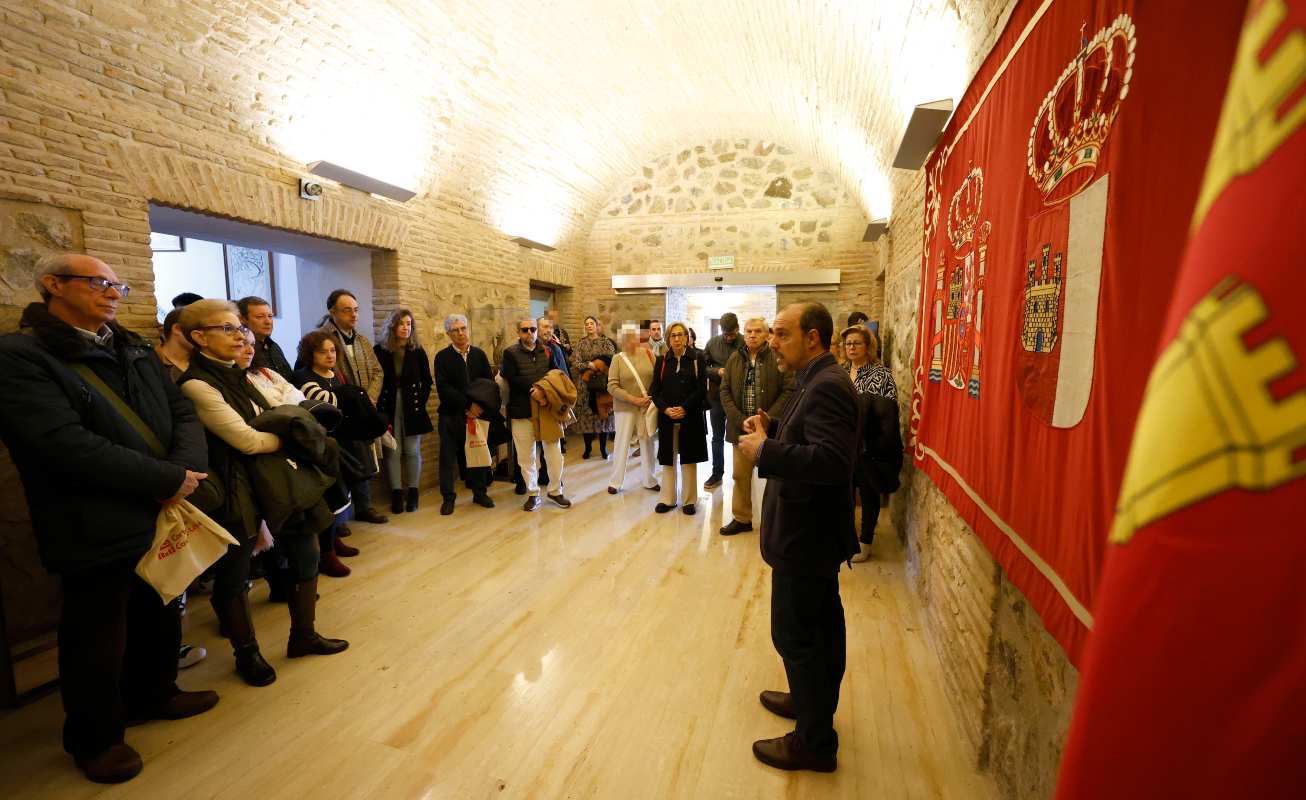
{"points": [[681, 382], [717, 353], [522, 369], [291, 497], [881, 455], [93, 486], [240, 512], [453, 374], [807, 510], [269, 355], [773, 389], [413, 381]]}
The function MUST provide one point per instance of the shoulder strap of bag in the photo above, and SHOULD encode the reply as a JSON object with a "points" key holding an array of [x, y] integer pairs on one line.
{"points": [[631, 366], [125, 411]]}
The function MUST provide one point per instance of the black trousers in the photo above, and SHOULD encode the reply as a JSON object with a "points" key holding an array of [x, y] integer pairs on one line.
{"points": [[118, 647], [807, 629], [453, 461], [870, 506], [299, 551], [717, 413]]}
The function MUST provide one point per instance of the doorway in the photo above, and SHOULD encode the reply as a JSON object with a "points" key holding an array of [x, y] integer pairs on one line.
{"points": [[702, 308]]}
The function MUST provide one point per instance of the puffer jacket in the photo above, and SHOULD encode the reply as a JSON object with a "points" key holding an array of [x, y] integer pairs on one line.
{"points": [[93, 486]]}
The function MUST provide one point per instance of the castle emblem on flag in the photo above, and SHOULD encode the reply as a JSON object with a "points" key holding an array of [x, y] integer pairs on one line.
{"points": [[1042, 303], [1065, 240], [959, 312]]}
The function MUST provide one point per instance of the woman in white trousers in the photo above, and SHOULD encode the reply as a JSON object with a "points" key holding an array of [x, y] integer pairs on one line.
{"points": [[629, 379]]}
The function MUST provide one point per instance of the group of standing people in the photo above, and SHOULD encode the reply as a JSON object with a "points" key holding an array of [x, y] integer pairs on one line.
{"points": [[104, 428]]}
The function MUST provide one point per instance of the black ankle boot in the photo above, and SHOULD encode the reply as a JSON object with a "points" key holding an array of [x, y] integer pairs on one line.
{"points": [[603, 445], [411, 504], [250, 663], [396, 501]]}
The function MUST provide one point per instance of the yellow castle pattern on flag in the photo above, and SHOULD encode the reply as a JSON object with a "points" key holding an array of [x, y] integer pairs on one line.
{"points": [[1209, 422]]}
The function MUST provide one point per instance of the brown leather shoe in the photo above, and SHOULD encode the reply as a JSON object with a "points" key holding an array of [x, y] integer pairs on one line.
{"points": [[532, 503], [778, 703], [785, 753], [118, 764], [179, 706], [371, 515]]}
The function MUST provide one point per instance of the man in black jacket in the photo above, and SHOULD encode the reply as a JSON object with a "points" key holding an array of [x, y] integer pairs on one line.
{"points": [[523, 365], [256, 313], [807, 532], [718, 350], [95, 481], [456, 366]]}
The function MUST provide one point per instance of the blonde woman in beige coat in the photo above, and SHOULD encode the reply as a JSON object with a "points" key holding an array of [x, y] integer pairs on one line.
{"points": [[629, 379]]}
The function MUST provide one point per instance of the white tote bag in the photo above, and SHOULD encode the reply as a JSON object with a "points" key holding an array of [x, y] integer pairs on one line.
{"points": [[477, 446], [650, 414], [186, 542]]}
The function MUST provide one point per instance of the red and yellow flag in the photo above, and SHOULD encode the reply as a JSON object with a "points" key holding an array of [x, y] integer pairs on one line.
{"points": [[1194, 679]]}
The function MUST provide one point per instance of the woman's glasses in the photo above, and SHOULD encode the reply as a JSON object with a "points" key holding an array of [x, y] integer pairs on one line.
{"points": [[227, 328]]}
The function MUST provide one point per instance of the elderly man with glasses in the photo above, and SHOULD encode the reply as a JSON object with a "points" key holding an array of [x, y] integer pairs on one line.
{"points": [[101, 438], [456, 366]]}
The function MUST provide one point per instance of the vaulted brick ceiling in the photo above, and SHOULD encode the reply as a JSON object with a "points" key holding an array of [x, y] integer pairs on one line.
{"points": [[529, 113]]}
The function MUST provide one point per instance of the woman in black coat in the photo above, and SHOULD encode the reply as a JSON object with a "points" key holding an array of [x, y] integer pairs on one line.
{"points": [[679, 391], [402, 401]]}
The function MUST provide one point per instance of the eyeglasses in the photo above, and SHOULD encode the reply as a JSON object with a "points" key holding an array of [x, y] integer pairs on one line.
{"points": [[227, 328], [527, 330], [854, 344], [678, 335], [98, 284]]}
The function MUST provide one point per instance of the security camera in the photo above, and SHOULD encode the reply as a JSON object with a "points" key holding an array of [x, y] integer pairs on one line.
{"points": [[310, 189]]}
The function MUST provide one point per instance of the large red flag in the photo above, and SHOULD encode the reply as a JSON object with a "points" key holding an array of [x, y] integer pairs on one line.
{"points": [[1194, 681], [1058, 205]]}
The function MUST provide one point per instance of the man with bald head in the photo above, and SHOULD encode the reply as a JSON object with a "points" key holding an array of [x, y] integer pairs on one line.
{"points": [[807, 532], [102, 439]]}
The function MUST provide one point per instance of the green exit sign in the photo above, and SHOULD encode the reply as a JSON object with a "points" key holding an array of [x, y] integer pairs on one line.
{"points": [[720, 262]]}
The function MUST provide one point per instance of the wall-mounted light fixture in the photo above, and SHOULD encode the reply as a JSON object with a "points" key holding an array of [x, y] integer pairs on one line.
{"points": [[876, 229], [923, 130], [361, 182], [533, 245]]}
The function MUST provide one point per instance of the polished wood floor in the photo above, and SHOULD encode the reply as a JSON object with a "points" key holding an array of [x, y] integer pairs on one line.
{"points": [[604, 651]]}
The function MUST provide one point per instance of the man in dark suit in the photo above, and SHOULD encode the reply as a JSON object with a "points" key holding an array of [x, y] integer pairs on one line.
{"points": [[456, 366], [807, 532]]}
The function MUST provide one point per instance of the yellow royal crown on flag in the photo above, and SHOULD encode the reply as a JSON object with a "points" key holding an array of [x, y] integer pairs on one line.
{"points": [[964, 210], [1075, 118]]}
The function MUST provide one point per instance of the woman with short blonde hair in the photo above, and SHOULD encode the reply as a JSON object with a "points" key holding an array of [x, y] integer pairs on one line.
{"points": [[629, 379], [680, 392]]}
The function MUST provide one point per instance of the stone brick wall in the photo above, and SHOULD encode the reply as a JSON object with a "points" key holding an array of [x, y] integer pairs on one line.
{"points": [[1010, 683], [769, 206], [103, 110]]}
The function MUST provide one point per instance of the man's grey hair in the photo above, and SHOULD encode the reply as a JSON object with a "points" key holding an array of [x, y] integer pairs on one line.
{"points": [[53, 264], [454, 319], [758, 320]]}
